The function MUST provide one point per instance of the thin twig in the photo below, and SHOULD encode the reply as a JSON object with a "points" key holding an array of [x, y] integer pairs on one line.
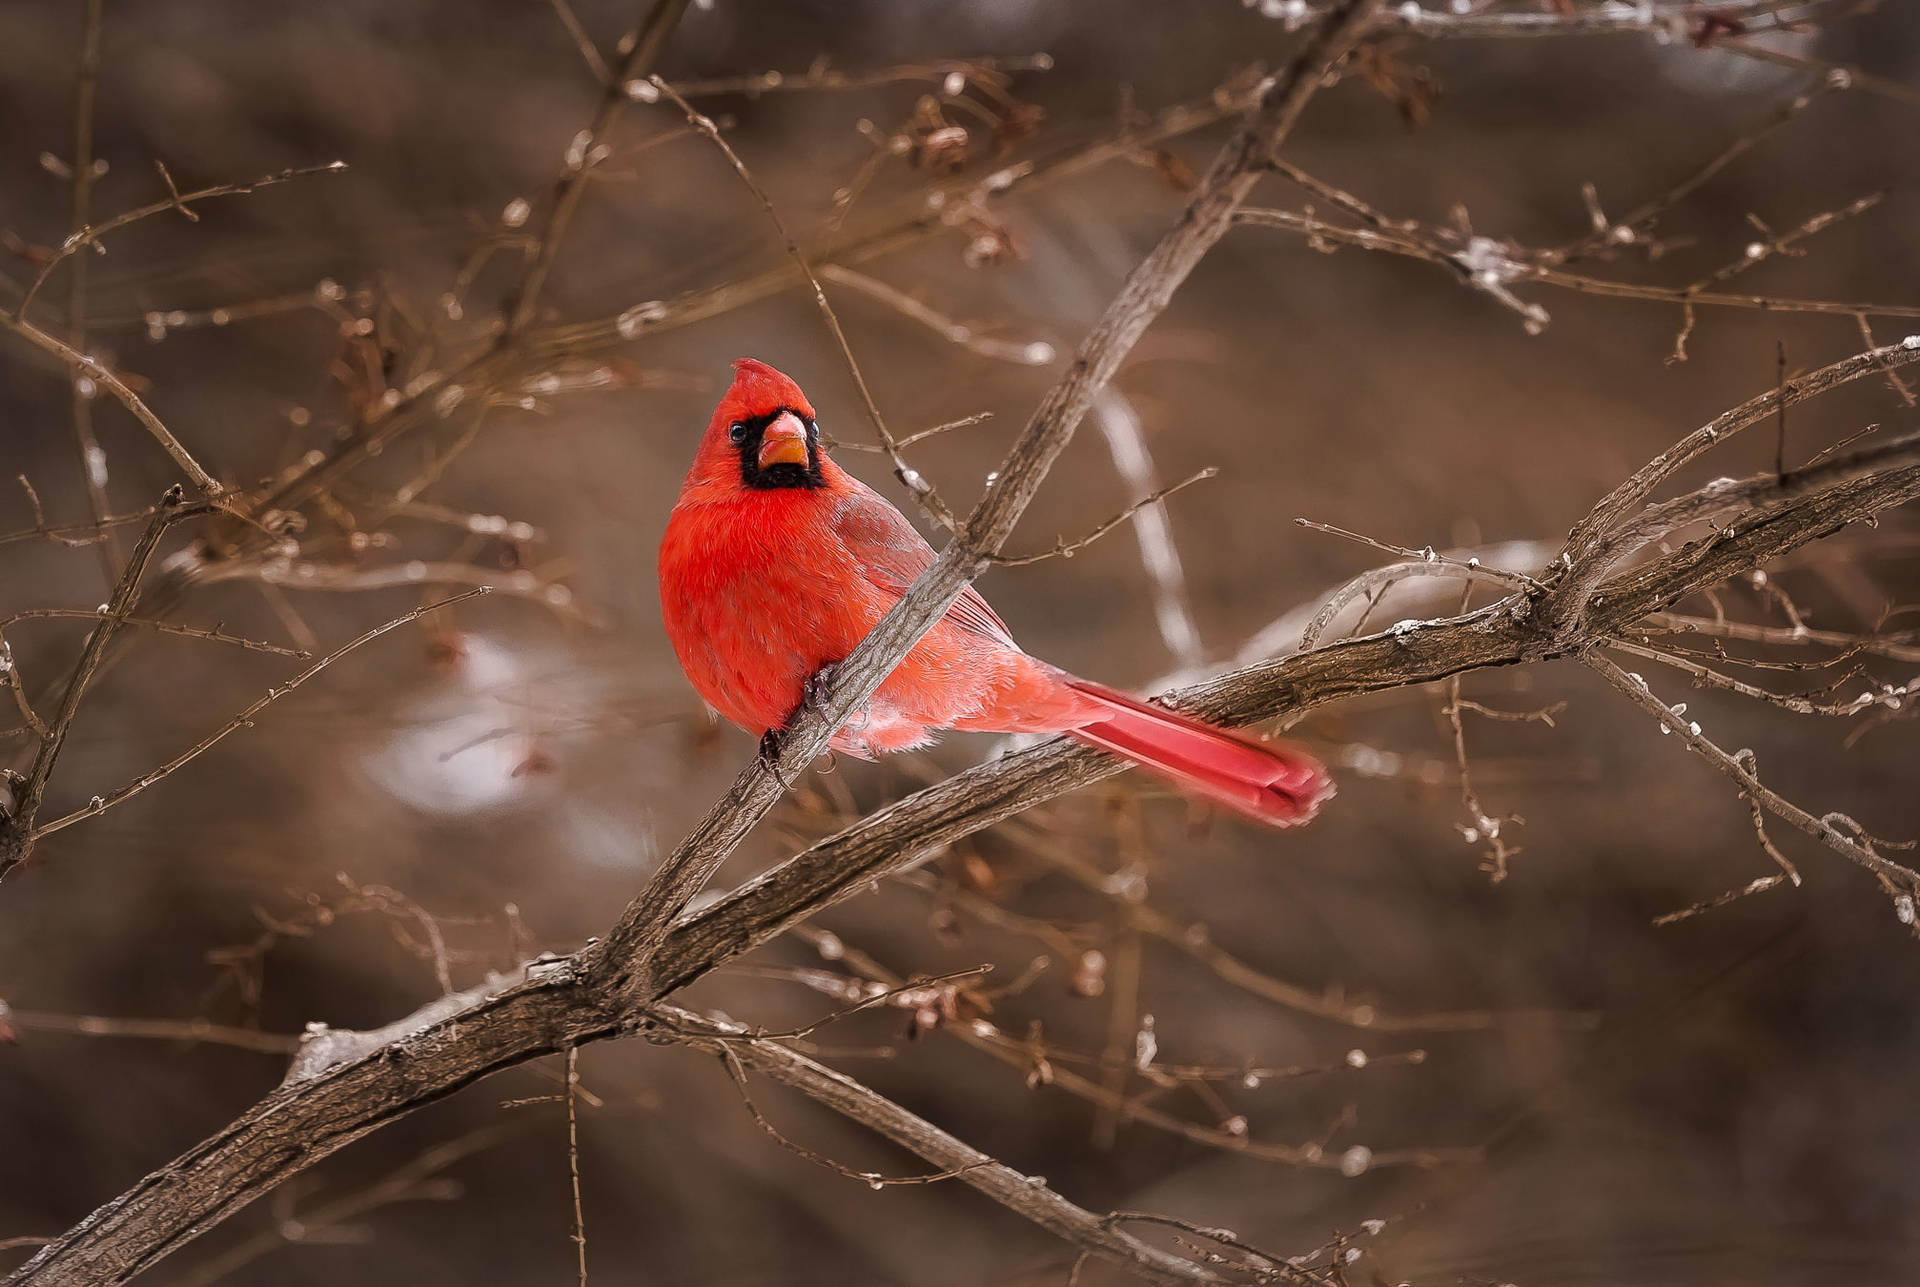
{"points": [[1482, 827], [244, 719], [964, 422], [200, 1032], [923, 492], [1026, 1195], [17, 827], [589, 53], [1028, 353], [823, 76], [643, 45], [214, 635], [872, 1179], [573, 1160], [420, 1179], [1119, 425], [1065, 549], [92, 368], [1505, 269], [1847, 841], [81, 167], [1847, 74], [1633, 228], [11, 680], [86, 235], [1905, 648]]}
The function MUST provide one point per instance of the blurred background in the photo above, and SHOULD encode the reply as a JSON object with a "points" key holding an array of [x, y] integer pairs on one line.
{"points": [[1594, 1099]]}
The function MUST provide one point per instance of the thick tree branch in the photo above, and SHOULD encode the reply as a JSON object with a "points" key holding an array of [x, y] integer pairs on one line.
{"points": [[357, 1086]]}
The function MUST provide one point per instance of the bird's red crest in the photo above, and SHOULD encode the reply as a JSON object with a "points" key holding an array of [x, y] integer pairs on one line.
{"points": [[758, 389]]}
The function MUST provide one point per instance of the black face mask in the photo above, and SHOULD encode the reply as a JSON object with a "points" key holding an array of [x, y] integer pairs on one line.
{"points": [[746, 436]]}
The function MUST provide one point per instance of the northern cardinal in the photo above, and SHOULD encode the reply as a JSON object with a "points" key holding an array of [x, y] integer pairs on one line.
{"points": [[776, 562]]}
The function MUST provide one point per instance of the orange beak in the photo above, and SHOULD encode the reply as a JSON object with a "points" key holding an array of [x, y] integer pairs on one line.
{"points": [[784, 442]]}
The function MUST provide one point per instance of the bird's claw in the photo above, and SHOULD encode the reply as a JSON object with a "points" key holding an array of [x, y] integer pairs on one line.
{"points": [[813, 693], [813, 697], [769, 757]]}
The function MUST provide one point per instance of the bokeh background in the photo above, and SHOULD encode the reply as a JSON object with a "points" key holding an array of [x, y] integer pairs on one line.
{"points": [[1724, 1100]]}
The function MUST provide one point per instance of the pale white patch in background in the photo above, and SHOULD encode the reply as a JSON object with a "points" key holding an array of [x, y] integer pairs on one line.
{"points": [[1126, 441], [483, 733], [1725, 72]]}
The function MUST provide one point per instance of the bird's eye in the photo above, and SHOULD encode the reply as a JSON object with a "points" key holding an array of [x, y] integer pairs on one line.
{"points": [[737, 432]]}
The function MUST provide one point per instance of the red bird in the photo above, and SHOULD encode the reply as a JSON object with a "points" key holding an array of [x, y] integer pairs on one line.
{"points": [[776, 562]]}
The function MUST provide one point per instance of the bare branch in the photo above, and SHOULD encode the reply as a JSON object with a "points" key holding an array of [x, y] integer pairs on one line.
{"points": [[1849, 842], [824, 76], [82, 170], [1025, 1195], [1126, 440], [643, 45], [1634, 227], [590, 54], [17, 829], [244, 719], [1846, 73], [193, 1031], [366, 1080], [1029, 353], [214, 635], [573, 1150], [1481, 828], [10, 679], [1065, 549], [87, 234], [83, 365]]}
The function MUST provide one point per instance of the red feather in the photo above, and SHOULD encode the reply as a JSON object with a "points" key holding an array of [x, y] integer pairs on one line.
{"points": [[764, 584]]}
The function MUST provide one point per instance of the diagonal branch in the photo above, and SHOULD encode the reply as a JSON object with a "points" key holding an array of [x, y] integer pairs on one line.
{"points": [[83, 364], [244, 719], [643, 45], [1025, 1195], [1146, 293], [1851, 845], [17, 825], [90, 234]]}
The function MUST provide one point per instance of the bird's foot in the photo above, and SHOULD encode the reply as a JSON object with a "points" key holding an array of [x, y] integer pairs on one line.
{"points": [[769, 757], [813, 693]]}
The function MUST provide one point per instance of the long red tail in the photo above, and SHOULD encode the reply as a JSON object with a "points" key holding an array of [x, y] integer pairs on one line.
{"points": [[1271, 782]]}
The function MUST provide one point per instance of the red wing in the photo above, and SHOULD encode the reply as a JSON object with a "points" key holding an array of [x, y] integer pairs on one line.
{"points": [[893, 555]]}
